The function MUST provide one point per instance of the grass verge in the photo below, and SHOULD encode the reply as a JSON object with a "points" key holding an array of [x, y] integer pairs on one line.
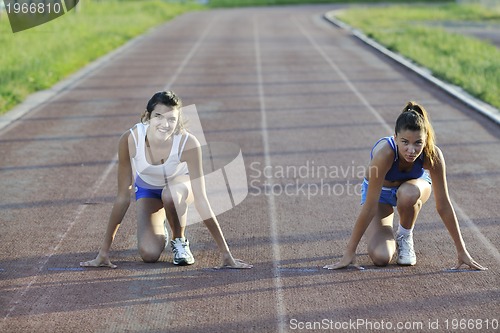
{"points": [[418, 33], [37, 58]]}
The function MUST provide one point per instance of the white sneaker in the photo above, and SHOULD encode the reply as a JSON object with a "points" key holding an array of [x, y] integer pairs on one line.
{"points": [[406, 253], [182, 253]]}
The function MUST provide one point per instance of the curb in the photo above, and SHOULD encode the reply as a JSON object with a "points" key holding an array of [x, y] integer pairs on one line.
{"points": [[483, 108]]}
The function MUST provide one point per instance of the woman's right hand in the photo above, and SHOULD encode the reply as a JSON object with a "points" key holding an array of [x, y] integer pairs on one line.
{"points": [[347, 259], [229, 262], [102, 260]]}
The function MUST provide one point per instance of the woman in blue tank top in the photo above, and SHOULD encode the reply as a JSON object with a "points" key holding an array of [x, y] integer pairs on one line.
{"points": [[162, 162], [402, 171]]}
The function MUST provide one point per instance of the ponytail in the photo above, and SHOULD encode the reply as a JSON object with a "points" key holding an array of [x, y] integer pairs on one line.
{"points": [[415, 118]]}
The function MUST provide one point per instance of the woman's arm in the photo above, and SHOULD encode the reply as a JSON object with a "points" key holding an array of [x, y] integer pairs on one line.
{"points": [[120, 205], [446, 211], [192, 155], [378, 168]]}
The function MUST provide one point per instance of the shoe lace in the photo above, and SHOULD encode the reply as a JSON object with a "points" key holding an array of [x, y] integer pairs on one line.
{"points": [[180, 249], [408, 246]]}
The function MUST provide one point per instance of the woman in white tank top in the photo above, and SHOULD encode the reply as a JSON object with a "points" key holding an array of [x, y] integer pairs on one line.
{"points": [[161, 161]]}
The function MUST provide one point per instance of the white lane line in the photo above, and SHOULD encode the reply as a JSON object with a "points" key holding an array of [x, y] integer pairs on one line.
{"points": [[278, 283], [468, 221], [476, 104], [78, 213], [344, 77], [186, 60], [485, 241], [97, 185]]}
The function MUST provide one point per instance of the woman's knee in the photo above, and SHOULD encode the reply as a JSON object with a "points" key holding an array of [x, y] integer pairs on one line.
{"points": [[150, 248], [381, 255], [408, 195], [169, 205], [381, 247], [148, 254], [167, 197], [174, 195]]}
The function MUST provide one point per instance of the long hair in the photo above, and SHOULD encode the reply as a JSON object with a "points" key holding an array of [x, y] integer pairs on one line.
{"points": [[415, 118], [167, 98]]}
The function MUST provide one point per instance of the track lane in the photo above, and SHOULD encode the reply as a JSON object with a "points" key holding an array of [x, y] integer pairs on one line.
{"points": [[311, 115]]}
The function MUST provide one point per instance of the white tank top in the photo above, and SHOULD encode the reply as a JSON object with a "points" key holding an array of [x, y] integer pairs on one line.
{"points": [[156, 175]]}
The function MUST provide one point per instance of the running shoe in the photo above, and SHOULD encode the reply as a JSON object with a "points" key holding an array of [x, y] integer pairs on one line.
{"points": [[406, 253], [182, 253]]}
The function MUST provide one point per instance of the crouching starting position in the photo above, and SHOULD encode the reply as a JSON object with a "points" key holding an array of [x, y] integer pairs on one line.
{"points": [[402, 171], [162, 161]]}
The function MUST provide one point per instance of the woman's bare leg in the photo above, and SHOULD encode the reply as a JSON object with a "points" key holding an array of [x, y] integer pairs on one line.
{"points": [[176, 198], [411, 196], [150, 228], [380, 235]]}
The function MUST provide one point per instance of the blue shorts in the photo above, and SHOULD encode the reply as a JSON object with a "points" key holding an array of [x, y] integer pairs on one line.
{"points": [[388, 194], [145, 190], [142, 192]]}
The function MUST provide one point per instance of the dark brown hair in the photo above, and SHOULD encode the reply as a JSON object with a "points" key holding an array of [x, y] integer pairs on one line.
{"points": [[167, 98], [415, 118]]}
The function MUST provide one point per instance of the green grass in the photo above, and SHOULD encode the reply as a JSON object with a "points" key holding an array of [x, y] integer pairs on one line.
{"points": [[37, 58], [417, 33], [242, 3]]}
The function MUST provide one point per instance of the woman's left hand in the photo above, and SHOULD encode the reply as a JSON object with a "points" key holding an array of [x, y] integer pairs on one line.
{"points": [[465, 258]]}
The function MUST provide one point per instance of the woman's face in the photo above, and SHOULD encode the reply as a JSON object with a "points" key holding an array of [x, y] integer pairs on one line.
{"points": [[410, 144], [163, 121]]}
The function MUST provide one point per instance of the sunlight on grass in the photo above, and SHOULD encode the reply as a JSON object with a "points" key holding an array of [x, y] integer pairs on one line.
{"points": [[414, 32], [37, 58]]}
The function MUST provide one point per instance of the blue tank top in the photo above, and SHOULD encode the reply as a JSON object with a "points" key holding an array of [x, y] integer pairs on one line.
{"points": [[394, 174]]}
